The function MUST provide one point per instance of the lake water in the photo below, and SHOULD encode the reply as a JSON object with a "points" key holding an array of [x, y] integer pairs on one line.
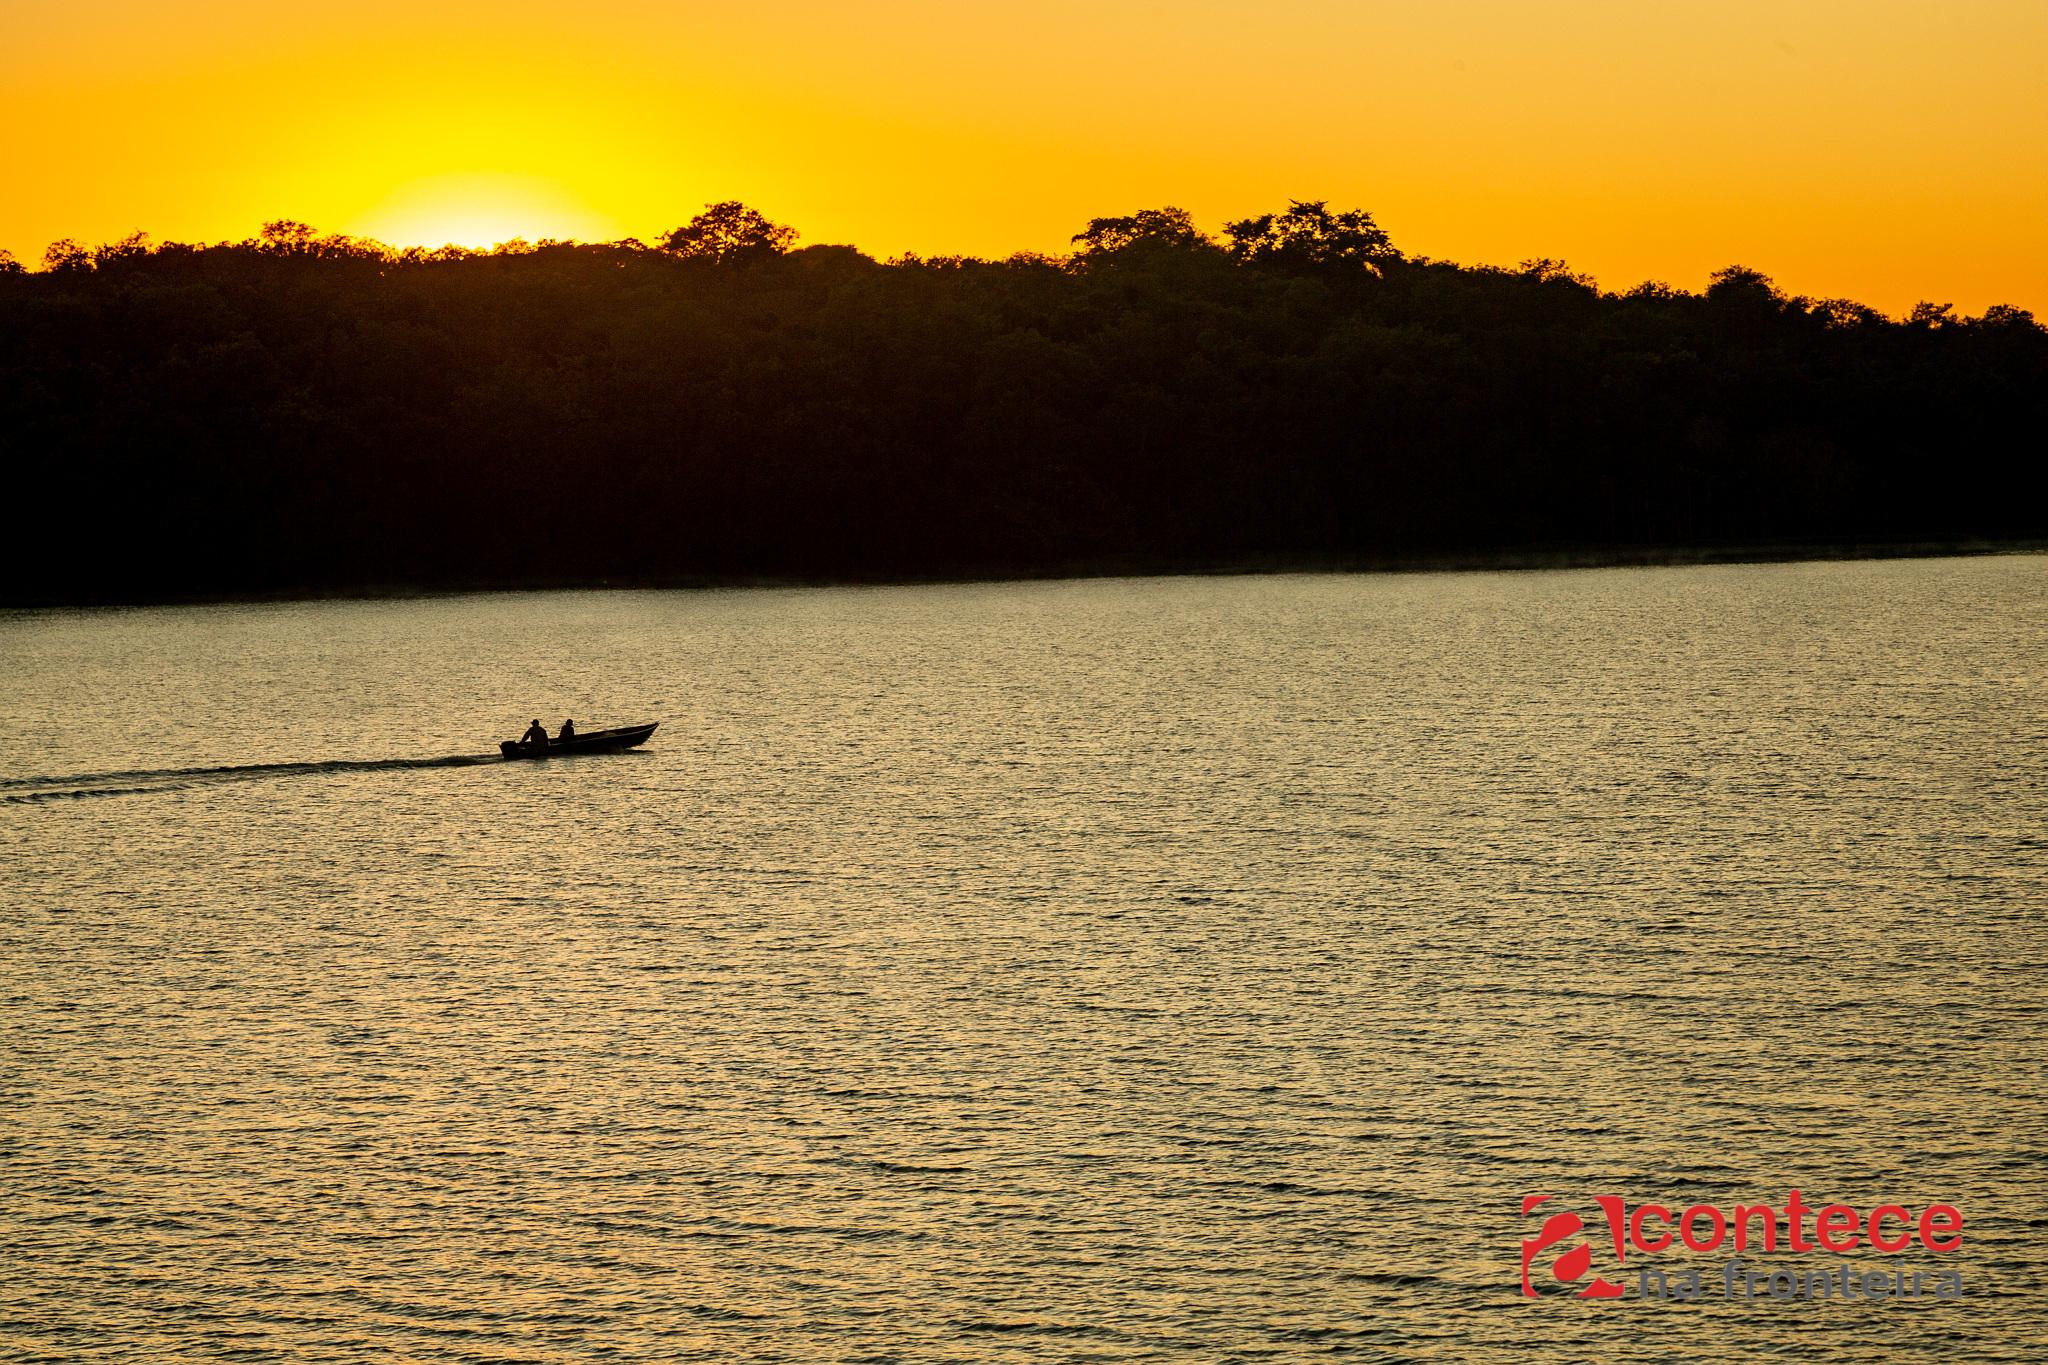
{"points": [[1195, 969]]}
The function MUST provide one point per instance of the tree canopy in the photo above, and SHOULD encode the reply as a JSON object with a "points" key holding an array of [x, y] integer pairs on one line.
{"points": [[730, 233], [1307, 234], [302, 411], [1169, 227]]}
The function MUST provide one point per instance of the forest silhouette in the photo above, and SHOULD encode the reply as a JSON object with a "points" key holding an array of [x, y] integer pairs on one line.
{"points": [[302, 412]]}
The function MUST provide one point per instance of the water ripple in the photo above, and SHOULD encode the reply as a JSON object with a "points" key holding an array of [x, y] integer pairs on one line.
{"points": [[1161, 970]]}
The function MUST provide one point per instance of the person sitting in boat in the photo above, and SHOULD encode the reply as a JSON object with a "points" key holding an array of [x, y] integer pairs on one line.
{"points": [[568, 732], [536, 736]]}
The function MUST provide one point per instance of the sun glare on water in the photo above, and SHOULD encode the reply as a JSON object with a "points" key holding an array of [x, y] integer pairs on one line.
{"points": [[482, 211]]}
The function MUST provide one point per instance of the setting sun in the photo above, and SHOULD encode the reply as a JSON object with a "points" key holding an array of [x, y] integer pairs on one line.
{"points": [[480, 211]]}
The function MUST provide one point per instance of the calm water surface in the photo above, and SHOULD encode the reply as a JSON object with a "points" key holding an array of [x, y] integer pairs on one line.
{"points": [[1128, 970]]}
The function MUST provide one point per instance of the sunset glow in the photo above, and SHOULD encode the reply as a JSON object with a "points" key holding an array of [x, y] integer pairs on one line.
{"points": [[1886, 150], [481, 211]]}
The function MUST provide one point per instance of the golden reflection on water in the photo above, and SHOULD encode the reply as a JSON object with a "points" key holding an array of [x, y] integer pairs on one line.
{"points": [[1117, 970]]}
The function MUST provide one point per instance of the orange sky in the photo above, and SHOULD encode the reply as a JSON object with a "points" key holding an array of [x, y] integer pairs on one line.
{"points": [[1887, 150]]}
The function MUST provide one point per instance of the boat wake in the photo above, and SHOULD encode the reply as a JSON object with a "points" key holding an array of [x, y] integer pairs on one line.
{"points": [[85, 786]]}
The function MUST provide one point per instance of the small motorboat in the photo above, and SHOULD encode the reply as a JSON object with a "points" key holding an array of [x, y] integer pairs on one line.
{"points": [[592, 742]]}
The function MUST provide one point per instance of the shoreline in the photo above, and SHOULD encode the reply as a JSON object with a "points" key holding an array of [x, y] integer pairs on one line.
{"points": [[1527, 560]]}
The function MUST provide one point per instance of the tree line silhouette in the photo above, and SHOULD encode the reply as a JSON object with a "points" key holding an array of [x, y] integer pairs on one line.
{"points": [[305, 412]]}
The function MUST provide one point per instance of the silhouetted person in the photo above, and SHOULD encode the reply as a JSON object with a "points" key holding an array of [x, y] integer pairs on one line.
{"points": [[536, 736], [568, 732]]}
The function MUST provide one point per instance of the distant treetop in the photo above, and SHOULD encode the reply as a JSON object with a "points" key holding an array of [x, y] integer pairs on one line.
{"points": [[1308, 237], [1165, 227], [731, 234], [1308, 234]]}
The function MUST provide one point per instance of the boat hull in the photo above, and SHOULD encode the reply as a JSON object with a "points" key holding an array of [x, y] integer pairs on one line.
{"points": [[595, 742]]}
